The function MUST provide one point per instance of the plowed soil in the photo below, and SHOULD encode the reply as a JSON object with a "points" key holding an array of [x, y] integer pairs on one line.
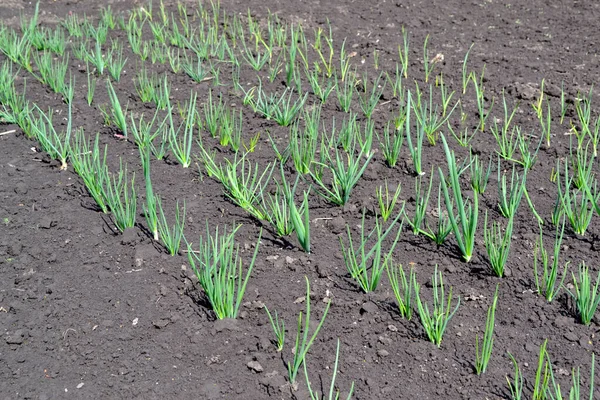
{"points": [[89, 312]]}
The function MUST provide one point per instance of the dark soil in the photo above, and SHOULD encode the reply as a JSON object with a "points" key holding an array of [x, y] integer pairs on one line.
{"points": [[87, 312]]}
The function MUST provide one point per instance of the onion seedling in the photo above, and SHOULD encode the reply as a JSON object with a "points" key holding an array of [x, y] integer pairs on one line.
{"points": [[303, 343], [548, 286], [387, 203], [515, 386], [115, 61], [57, 145], [300, 220], [121, 198], [218, 266], [510, 198], [586, 295], [344, 89], [245, 185], [364, 266], [280, 211], [171, 237], [278, 326], [403, 52], [150, 209], [416, 148], [370, 99], [443, 226], [402, 287], [542, 374], [345, 175], [576, 203], [480, 97], [479, 175], [435, 320], [507, 141], [321, 85], [467, 215], [421, 203], [482, 358], [464, 137], [333, 393], [575, 391], [182, 147], [90, 165], [117, 112], [497, 245], [277, 108], [391, 143], [194, 70]]}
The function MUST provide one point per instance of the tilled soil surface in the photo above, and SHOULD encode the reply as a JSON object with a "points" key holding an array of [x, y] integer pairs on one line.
{"points": [[88, 312]]}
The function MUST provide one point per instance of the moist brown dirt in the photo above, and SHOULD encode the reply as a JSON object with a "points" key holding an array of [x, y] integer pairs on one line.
{"points": [[86, 312]]}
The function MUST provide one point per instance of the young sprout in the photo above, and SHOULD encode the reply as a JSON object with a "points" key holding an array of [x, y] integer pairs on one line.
{"points": [[482, 358], [402, 287], [278, 326], [586, 295], [549, 284], [218, 267], [387, 203], [436, 320], [303, 343], [333, 393], [366, 266]]}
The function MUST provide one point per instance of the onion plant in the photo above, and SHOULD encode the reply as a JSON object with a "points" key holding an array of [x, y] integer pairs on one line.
{"points": [[575, 390], [421, 204], [586, 295], [90, 165], [213, 112], [575, 203], [344, 89], [218, 266], [479, 174], [57, 145], [345, 175], [442, 227], [278, 108], [370, 99], [278, 325], [334, 393], [277, 205], [300, 220], [482, 358], [547, 280], [194, 70], [402, 287], [464, 224], [497, 244], [415, 147], [52, 72], [117, 113], [151, 206], [464, 136], [516, 384], [303, 343], [385, 201], [121, 198], [303, 147], [366, 265], [181, 144], [436, 320], [391, 143], [506, 138], [115, 61], [480, 99], [171, 237], [509, 197], [245, 184], [321, 85]]}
